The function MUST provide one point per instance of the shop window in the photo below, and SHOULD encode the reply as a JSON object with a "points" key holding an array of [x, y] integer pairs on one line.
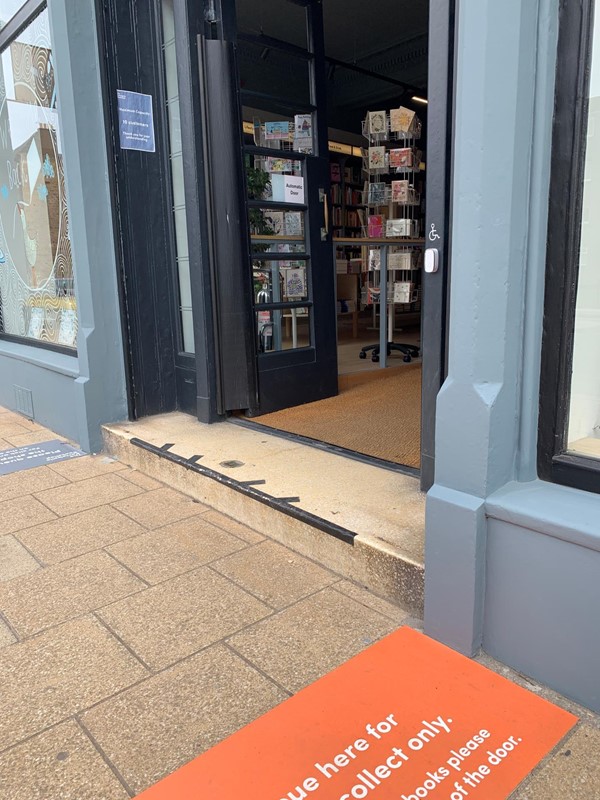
{"points": [[570, 380], [37, 296]]}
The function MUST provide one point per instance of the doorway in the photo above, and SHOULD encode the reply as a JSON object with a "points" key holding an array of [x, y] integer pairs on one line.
{"points": [[335, 106]]}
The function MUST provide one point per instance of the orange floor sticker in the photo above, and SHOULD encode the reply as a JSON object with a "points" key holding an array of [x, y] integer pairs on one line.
{"points": [[406, 719]]}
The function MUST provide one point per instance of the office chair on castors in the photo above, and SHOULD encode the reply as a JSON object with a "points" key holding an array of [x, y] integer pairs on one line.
{"points": [[410, 351]]}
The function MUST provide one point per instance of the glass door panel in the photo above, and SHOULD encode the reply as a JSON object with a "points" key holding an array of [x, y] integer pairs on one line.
{"points": [[176, 162]]}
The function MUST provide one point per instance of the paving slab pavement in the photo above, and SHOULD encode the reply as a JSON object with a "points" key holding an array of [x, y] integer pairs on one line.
{"points": [[138, 628]]}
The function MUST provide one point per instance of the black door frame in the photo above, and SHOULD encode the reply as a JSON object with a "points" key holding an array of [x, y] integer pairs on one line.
{"points": [[438, 224], [163, 378]]}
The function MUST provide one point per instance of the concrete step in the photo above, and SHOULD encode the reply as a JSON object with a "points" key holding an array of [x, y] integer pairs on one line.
{"points": [[365, 522]]}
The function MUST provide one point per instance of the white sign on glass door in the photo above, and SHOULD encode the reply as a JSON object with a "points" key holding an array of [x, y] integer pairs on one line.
{"points": [[287, 188]]}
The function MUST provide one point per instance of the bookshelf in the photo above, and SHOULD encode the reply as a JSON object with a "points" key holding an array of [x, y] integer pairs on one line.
{"points": [[347, 204], [348, 219]]}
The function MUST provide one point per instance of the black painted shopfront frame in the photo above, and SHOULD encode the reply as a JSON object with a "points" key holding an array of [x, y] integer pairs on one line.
{"points": [[555, 463]]}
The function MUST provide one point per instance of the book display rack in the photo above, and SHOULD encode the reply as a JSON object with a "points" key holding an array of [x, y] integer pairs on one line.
{"points": [[393, 232], [276, 200]]}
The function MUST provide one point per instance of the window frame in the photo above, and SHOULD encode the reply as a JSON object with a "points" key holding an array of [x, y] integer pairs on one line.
{"points": [[28, 11], [571, 103]]}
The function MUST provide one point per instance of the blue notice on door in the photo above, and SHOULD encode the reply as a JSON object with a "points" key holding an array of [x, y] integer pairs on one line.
{"points": [[136, 121]]}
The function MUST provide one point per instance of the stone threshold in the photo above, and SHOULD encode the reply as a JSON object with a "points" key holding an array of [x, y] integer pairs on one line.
{"points": [[363, 521]]}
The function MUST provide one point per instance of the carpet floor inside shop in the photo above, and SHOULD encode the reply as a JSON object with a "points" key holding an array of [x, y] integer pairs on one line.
{"points": [[376, 413]]}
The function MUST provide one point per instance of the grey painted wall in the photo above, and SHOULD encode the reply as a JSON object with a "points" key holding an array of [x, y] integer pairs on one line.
{"points": [[478, 416], [541, 609], [76, 395], [50, 377], [511, 562]]}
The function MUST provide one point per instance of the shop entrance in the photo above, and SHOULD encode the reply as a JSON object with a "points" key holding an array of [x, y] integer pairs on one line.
{"points": [[344, 138]]}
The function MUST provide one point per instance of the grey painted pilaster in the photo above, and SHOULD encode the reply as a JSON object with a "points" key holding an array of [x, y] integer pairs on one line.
{"points": [[455, 567], [100, 388], [478, 430]]}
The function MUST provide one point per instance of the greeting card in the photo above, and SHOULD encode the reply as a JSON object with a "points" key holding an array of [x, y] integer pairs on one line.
{"points": [[400, 191], [402, 120], [377, 122], [401, 158], [376, 157], [377, 194]]}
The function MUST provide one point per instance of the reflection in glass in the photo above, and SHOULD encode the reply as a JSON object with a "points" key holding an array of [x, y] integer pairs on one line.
{"points": [[584, 415], [37, 297], [285, 75], [267, 223], [176, 161], [287, 23], [269, 246], [286, 329], [279, 281], [8, 8]]}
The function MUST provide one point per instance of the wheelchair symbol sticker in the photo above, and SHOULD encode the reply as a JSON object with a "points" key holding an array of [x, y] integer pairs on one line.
{"points": [[433, 234]]}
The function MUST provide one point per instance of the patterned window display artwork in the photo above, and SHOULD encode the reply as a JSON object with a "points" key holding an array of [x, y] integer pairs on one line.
{"points": [[37, 295]]}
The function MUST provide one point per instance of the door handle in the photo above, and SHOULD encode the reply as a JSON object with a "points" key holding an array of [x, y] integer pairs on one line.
{"points": [[325, 200]]}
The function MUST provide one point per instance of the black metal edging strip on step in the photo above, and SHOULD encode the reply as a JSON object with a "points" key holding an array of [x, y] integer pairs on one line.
{"points": [[278, 503]]}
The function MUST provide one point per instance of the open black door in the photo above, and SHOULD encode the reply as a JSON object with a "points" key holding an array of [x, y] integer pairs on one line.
{"points": [[268, 168]]}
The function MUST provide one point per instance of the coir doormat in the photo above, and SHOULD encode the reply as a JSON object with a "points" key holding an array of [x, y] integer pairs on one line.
{"points": [[406, 719]]}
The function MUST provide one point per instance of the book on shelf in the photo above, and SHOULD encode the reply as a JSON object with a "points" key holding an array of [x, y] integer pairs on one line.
{"points": [[348, 266], [377, 157], [402, 120], [376, 122], [352, 197], [349, 175], [355, 218], [335, 172]]}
